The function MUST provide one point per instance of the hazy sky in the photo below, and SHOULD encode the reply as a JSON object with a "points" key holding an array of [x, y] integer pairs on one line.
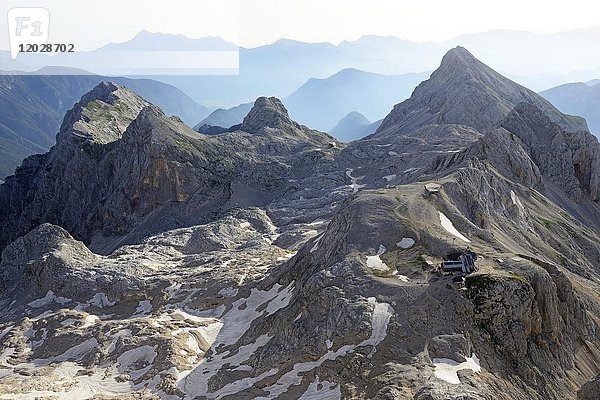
{"points": [[263, 21], [256, 22]]}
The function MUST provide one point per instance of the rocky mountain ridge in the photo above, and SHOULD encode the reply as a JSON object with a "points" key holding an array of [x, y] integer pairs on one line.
{"points": [[466, 91], [125, 160], [34, 106], [274, 262]]}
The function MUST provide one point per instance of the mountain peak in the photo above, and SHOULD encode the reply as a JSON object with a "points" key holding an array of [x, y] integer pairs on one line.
{"points": [[102, 114], [267, 112], [459, 54], [104, 91], [465, 91], [351, 127], [459, 63]]}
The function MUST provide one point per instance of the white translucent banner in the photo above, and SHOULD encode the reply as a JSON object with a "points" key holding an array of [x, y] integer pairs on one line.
{"points": [[113, 37]]}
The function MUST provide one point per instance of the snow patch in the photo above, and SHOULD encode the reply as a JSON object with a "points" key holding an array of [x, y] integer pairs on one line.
{"points": [[379, 323], [389, 177], [382, 313], [413, 169], [49, 298], [202, 336], [355, 186], [449, 227], [375, 262], [136, 362], [516, 201], [89, 321], [233, 325], [245, 225], [446, 369], [316, 245], [75, 353], [322, 390], [403, 278], [144, 308], [406, 243]]}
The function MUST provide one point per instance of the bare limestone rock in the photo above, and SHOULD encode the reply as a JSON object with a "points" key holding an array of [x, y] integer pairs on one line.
{"points": [[269, 261]]}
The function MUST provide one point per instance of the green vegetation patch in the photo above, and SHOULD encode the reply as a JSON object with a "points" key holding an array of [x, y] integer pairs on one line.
{"points": [[99, 110], [481, 281], [518, 277], [477, 281], [546, 222]]}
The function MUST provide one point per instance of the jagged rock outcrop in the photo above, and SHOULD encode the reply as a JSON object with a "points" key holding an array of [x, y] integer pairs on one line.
{"points": [[62, 186], [268, 112], [453, 347]]}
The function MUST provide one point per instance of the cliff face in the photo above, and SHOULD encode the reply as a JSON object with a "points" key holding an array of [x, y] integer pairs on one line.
{"points": [[273, 262], [570, 160], [119, 159], [61, 186]]}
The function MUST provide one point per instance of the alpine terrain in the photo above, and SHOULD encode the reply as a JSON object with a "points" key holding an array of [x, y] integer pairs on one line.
{"points": [[33, 106], [144, 260]]}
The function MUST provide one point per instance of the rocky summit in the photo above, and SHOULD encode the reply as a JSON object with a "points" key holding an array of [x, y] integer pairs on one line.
{"points": [[452, 254]]}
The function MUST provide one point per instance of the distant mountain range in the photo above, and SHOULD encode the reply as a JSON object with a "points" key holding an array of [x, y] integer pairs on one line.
{"points": [[321, 103], [354, 126], [537, 61], [367, 75], [160, 41], [226, 117], [579, 99], [32, 108], [137, 56]]}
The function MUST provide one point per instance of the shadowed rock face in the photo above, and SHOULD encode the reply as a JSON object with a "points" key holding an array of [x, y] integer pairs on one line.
{"points": [[590, 390], [270, 261], [62, 185]]}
